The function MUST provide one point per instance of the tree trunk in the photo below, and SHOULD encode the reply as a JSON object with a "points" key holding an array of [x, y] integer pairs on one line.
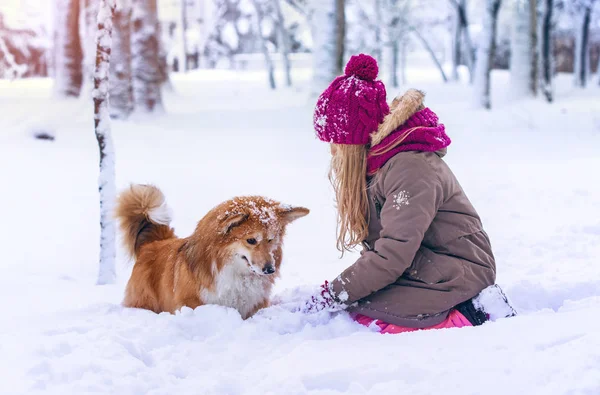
{"points": [[284, 43], [340, 12], [184, 63], [521, 59], [582, 47], [378, 39], [121, 83], [403, 61], [485, 56], [263, 44], [456, 47], [547, 50], [106, 181], [147, 76], [461, 9], [533, 50], [87, 25], [325, 35], [394, 63], [68, 55], [431, 52]]}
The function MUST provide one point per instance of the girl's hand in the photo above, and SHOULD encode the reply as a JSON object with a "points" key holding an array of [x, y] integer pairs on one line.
{"points": [[323, 300]]}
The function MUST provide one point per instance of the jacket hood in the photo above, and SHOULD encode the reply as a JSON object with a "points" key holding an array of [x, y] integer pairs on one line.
{"points": [[401, 109]]}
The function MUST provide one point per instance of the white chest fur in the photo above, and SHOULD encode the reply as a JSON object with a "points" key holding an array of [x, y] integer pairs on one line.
{"points": [[237, 287]]}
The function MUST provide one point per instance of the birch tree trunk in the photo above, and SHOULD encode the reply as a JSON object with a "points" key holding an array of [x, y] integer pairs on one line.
{"points": [[147, 76], [323, 16], [106, 181], [284, 42], [263, 45], [68, 55], [547, 50], [521, 60], [121, 83], [486, 52]]}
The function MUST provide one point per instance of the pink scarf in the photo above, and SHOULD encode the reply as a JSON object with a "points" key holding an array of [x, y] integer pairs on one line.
{"points": [[421, 132]]}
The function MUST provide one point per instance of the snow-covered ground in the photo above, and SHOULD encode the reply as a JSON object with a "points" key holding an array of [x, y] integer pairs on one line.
{"points": [[531, 169]]}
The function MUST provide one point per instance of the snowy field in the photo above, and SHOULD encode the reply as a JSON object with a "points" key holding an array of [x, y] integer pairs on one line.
{"points": [[531, 169]]}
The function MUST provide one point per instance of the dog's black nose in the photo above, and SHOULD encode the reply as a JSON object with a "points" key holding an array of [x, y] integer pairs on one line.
{"points": [[269, 269]]}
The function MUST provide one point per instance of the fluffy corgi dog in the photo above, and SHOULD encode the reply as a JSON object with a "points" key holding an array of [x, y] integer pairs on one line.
{"points": [[232, 258]]}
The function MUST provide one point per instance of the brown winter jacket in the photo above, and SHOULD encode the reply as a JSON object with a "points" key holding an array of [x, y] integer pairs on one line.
{"points": [[426, 249]]}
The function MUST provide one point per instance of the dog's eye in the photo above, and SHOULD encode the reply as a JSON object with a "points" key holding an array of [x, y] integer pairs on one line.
{"points": [[270, 240], [251, 241]]}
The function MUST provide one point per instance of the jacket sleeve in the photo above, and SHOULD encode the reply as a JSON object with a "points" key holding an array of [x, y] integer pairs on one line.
{"points": [[413, 194]]}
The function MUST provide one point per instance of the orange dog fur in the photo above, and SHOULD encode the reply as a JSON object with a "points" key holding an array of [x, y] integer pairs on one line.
{"points": [[232, 258]]}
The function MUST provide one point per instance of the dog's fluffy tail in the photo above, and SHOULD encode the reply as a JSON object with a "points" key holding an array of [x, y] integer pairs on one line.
{"points": [[144, 217]]}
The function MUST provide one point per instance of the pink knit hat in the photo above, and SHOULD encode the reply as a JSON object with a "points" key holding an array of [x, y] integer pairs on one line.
{"points": [[353, 106]]}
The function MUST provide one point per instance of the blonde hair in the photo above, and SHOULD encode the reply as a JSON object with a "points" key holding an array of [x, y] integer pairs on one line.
{"points": [[348, 176]]}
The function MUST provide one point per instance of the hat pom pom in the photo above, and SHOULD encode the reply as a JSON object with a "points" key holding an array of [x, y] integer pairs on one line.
{"points": [[362, 66]]}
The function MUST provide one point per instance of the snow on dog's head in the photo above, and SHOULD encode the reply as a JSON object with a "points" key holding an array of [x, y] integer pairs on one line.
{"points": [[252, 229]]}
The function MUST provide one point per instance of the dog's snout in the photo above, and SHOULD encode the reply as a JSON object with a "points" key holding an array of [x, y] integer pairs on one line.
{"points": [[268, 268]]}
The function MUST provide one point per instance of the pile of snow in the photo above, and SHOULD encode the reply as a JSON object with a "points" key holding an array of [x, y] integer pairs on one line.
{"points": [[528, 167]]}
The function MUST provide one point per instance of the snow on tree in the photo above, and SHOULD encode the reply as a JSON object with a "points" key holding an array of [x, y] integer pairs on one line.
{"points": [[88, 10], [283, 42], [547, 28], [258, 19], [523, 64], [9, 68], [322, 17], [106, 180], [121, 80], [146, 67], [485, 55], [582, 11], [68, 54]]}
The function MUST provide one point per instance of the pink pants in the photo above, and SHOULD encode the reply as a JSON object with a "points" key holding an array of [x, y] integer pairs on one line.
{"points": [[454, 320]]}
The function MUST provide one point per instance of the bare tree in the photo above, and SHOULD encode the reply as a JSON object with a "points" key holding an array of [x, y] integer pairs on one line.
{"points": [[583, 10], [431, 52], [547, 49], [456, 46], [460, 7], [106, 181], [486, 52], [283, 42], [68, 54], [121, 80], [146, 68], [533, 42], [263, 45]]}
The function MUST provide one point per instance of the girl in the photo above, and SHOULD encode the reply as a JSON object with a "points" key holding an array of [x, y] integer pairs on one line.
{"points": [[425, 254]]}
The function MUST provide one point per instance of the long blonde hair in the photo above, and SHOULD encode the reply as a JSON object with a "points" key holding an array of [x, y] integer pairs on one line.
{"points": [[348, 176]]}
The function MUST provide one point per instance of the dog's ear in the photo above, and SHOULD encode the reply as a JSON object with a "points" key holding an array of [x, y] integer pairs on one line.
{"points": [[230, 221], [290, 213]]}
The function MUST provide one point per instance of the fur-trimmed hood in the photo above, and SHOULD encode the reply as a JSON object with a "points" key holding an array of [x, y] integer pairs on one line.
{"points": [[401, 109]]}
